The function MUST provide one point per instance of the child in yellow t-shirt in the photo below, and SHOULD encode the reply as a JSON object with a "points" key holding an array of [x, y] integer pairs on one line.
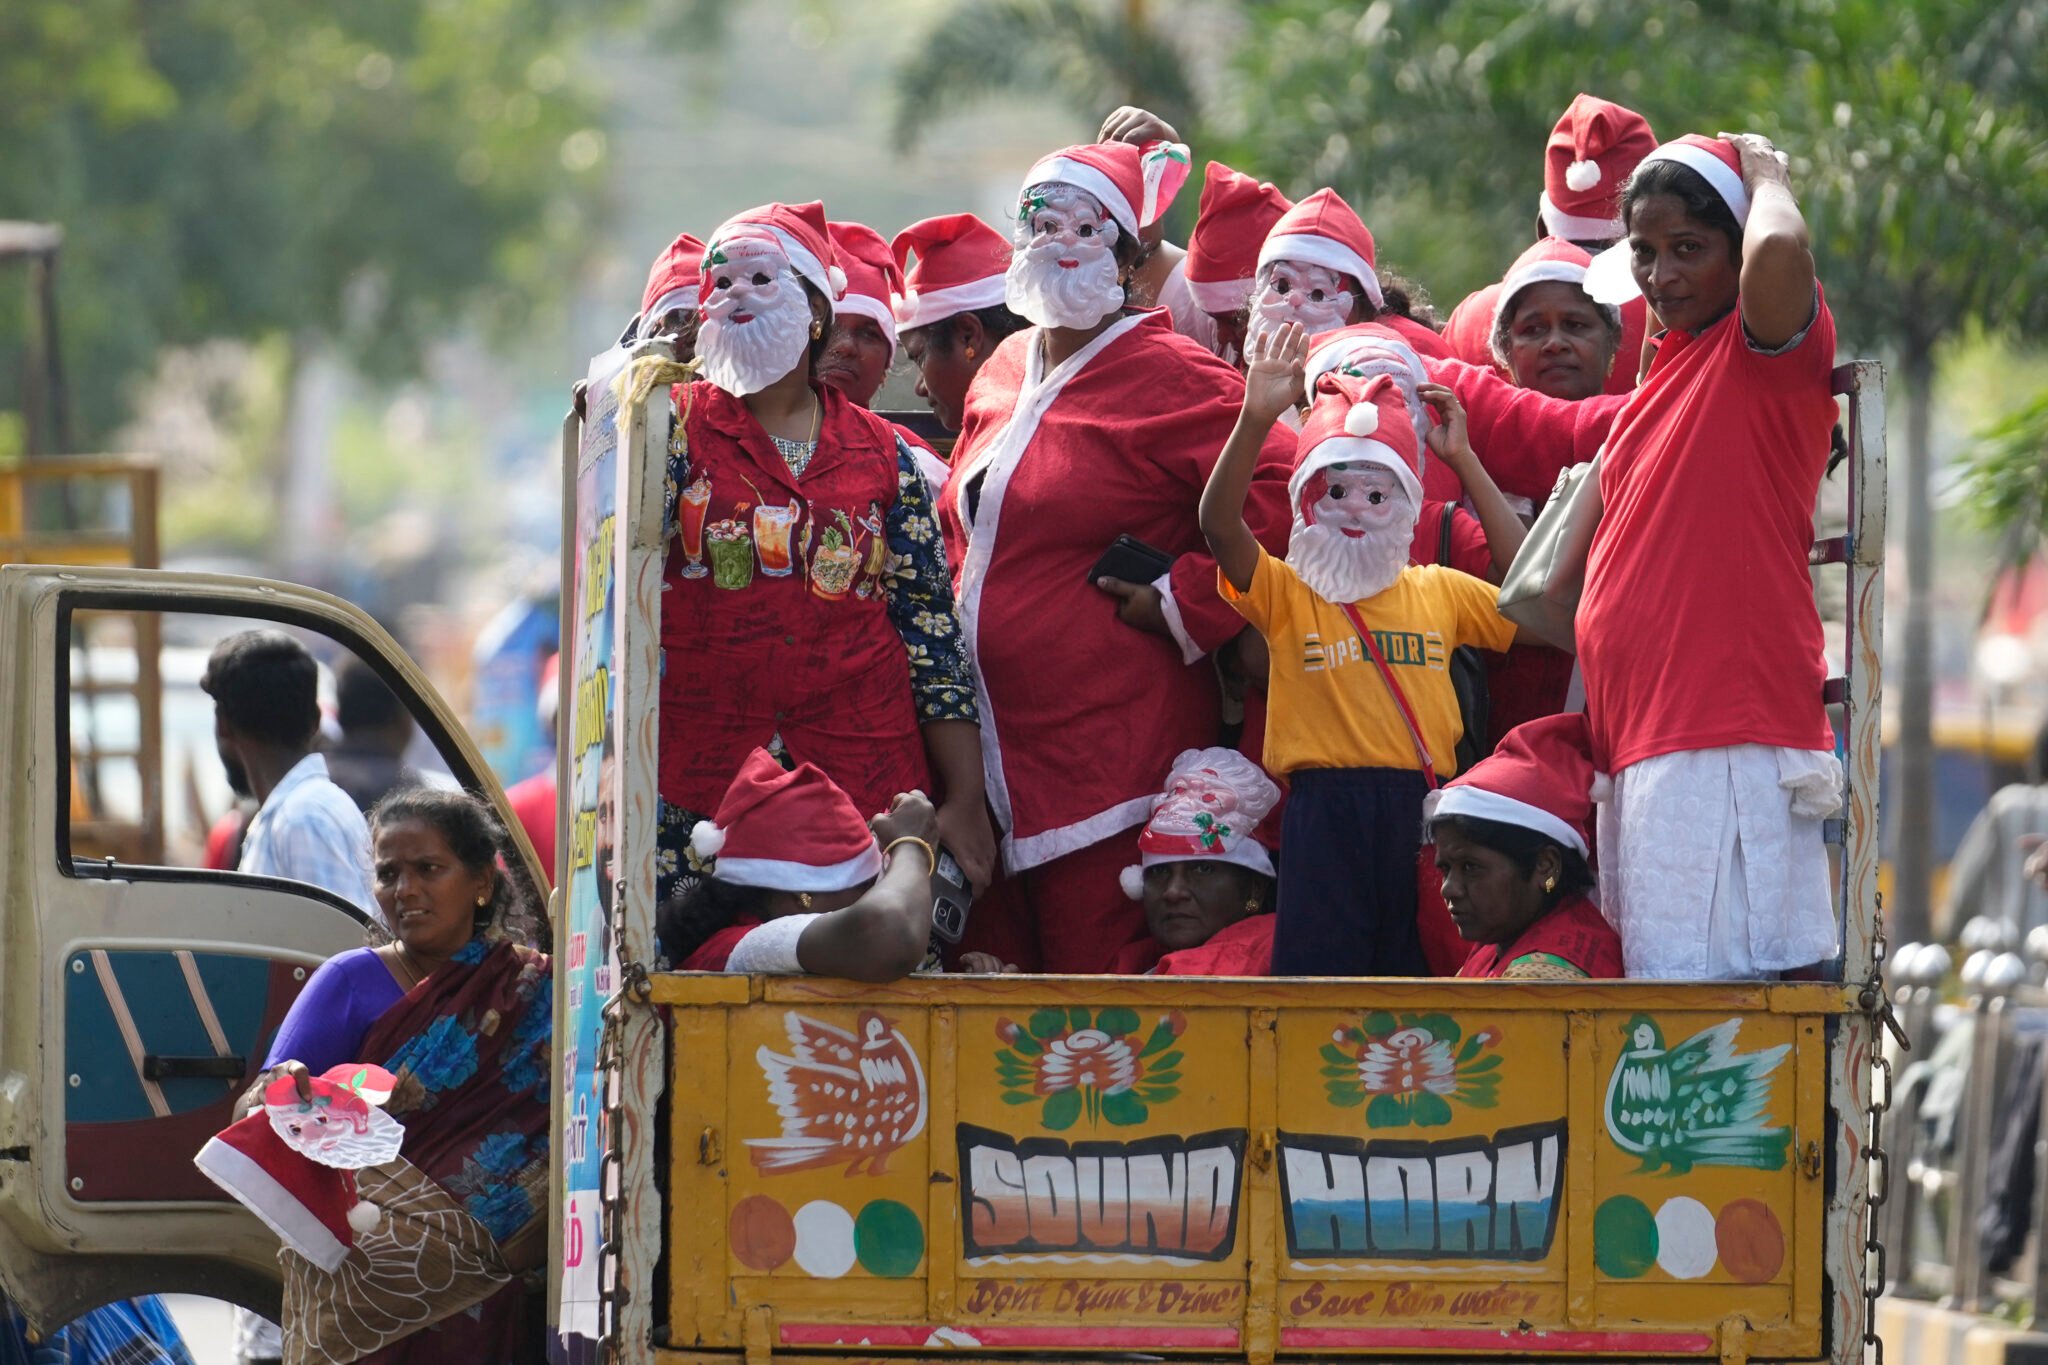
{"points": [[1356, 768]]}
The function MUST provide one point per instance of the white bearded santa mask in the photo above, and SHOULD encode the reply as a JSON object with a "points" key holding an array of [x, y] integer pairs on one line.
{"points": [[756, 314], [1357, 491], [1063, 270], [1286, 291]]}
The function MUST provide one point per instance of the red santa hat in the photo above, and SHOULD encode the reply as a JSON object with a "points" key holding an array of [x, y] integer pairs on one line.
{"points": [[1549, 260], [1611, 279], [1323, 230], [960, 267], [800, 231], [787, 831], [1593, 149], [312, 1208], [873, 279], [672, 281], [1231, 224], [1357, 421], [1165, 838], [1136, 184], [1539, 778]]}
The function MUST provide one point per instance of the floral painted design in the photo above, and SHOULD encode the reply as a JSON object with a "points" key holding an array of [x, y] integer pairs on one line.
{"points": [[1408, 1069], [1072, 1062]]}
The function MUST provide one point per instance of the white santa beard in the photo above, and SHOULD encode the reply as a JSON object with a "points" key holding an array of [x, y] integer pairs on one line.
{"points": [[1039, 289], [747, 357], [1343, 568], [1316, 319]]}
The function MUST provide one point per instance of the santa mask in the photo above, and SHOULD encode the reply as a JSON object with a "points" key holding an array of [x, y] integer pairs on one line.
{"points": [[1352, 531], [1063, 271], [1292, 291], [756, 315]]}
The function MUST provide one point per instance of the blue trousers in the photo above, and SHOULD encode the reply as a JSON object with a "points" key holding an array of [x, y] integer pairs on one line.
{"points": [[1348, 847]]}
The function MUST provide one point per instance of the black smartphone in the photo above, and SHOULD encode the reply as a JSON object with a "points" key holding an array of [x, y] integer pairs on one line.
{"points": [[1131, 560], [952, 895]]}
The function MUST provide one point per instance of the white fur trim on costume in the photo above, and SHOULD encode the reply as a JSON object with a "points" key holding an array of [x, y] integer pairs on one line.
{"points": [[1220, 296], [1351, 450], [1611, 279], [1478, 802], [1082, 176], [1573, 227], [1190, 652], [1132, 880], [1248, 853], [241, 1175], [1043, 847], [883, 315], [1603, 787], [1582, 175], [1726, 182], [774, 874], [1362, 420], [1327, 253], [921, 308], [706, 839], [806, 264], [365, 1216]]}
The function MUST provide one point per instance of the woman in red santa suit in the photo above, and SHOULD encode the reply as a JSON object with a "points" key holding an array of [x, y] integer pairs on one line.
{"points": [[1592, 151], [1231, 224], [807, 608], [1698, 634], [1094, 423], [1511, 850], [1205, 880], [951, 314]]}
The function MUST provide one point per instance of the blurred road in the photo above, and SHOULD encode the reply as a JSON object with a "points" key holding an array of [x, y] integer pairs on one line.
{"points": [[208, 1326]]}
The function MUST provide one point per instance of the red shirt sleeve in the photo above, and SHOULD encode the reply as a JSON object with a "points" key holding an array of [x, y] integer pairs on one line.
{"points": [[712, 953]]}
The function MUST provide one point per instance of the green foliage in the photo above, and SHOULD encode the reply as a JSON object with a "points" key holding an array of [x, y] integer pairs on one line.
{"points": [[2005, 475], [366, 173], [1091, 54]]}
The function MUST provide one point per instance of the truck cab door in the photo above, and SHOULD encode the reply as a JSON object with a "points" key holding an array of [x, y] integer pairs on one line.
{"points": [[139, 990]]}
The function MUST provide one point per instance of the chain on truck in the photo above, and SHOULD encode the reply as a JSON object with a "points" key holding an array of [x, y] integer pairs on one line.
{"points": [[1273, 1196]]}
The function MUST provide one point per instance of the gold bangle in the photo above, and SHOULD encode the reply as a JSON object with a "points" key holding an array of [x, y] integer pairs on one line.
{"points": [[930, 855]]}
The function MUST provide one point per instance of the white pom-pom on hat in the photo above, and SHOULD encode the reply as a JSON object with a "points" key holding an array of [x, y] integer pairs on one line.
{"points": [[1362, 420], [365, 1216], [706, 839], [1582, 175], [838, 279], [1603, 787], [1132, 880]]}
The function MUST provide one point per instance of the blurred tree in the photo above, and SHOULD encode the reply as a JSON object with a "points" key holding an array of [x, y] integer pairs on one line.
{"points": [[356, 176], [1093, 54], [2005, 476], [1918, 131]]}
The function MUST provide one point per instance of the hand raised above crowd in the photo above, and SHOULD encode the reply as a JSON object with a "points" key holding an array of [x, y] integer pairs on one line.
{"points": [[1762, 162], [1277, 363], [1128, 123]]}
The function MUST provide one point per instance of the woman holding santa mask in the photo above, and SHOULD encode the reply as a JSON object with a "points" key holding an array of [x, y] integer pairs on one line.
{"points": [[807, 607], [1094, 423]]}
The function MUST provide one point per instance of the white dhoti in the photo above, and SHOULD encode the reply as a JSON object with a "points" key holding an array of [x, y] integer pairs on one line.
{"points": [[1712, 865]]}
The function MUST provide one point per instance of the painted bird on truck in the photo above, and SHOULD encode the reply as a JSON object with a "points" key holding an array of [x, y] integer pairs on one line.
{"points": [[1700, 1103], [841, 1098]]}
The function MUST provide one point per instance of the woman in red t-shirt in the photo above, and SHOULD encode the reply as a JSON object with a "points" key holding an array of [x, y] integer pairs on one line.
{"points": [[1698, 636]]}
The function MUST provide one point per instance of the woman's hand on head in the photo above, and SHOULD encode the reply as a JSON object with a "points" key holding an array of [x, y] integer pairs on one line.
{"points": [[1276, 364], [1129, 123], [910, 816], [1762, 162], [965, 831]]}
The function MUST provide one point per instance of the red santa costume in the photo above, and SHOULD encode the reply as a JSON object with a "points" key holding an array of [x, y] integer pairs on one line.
{"points": [[1701, 644], [794, 634], [1540, 779], [1210, 812], [1082, 714], [1231, 223], [1592, 151], [1323, 231], [874, 281]]}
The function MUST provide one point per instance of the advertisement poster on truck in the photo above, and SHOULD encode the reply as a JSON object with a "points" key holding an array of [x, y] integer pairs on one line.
{"points": [[588, 873]]}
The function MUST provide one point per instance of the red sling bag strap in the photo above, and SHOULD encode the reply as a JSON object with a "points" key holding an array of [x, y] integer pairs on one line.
{"points": [[1400, 700]]}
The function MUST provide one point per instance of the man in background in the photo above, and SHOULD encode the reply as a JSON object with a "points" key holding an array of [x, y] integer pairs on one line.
{"points": [[376, 729]]}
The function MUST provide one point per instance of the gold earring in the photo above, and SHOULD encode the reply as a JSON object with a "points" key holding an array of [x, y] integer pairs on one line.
{"points": [[817, 329], [482, 901], [1549, 885], [803, 899], [970, 353], [1254, 905]]}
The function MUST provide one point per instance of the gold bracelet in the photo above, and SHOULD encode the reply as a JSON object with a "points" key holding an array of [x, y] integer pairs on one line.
{"points": [[931, 856]]}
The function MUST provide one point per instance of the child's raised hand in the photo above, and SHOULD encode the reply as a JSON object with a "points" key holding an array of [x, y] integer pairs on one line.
{"points": [[1275, 364], [1447, 440]]}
